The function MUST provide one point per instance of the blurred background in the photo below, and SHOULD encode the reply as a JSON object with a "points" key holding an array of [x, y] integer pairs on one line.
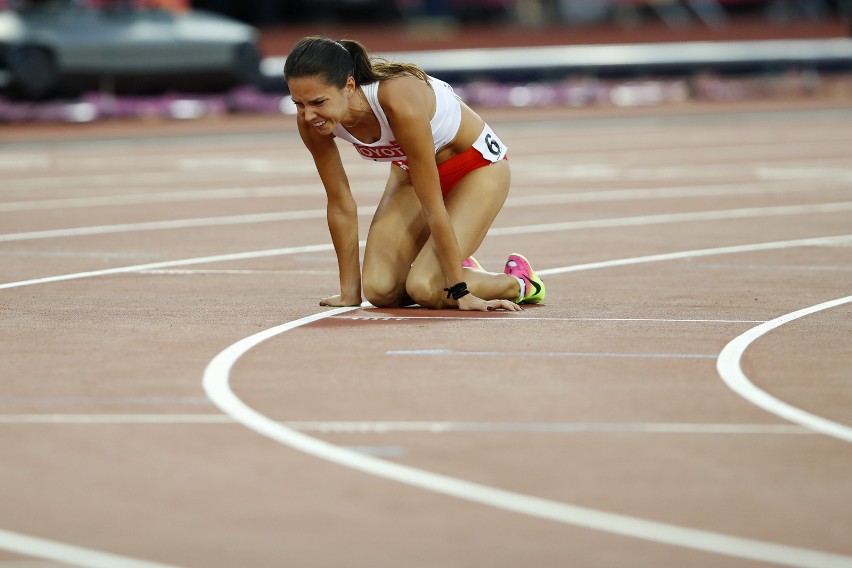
{"points": [[108, 58], [519, 12]]}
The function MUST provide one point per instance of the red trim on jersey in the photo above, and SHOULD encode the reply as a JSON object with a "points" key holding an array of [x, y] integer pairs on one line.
{"points": [[454, 169]]}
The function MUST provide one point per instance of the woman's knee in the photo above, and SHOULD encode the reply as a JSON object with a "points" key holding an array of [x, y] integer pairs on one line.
{"points": [[426, 290], [382, 292]]}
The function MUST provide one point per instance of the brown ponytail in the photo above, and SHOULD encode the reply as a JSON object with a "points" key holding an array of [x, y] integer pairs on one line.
{"points": [[337, 61]]}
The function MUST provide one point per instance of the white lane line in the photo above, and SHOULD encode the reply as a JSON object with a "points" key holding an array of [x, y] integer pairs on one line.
{"points": [[456, 353], [729, 368], [738, 189], [188, 272], [112, 180], [169, 263], [744, 213], [21, 161], [105, 400], [378, 451], [499, 317], [68, 554], [640, 220], [754, 188], [174, 224], [429, 427], [565, 513], [776, 245], [165, 197], [115, 419], [817, 241], [776, 267], [216, 385], [544, 427], [30, 564]]}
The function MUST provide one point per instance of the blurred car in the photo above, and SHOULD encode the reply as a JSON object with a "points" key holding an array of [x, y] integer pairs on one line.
{"points": [[52, 49]]}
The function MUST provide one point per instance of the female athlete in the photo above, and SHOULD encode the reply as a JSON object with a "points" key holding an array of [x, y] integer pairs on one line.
{"points": [[448, 180]]}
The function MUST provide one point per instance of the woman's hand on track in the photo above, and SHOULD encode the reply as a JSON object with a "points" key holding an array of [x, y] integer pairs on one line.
{"points": [[471, 302], [339, 302]]}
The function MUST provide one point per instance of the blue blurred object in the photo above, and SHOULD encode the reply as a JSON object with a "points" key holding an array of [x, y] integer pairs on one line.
{"points": [[52, 49]]}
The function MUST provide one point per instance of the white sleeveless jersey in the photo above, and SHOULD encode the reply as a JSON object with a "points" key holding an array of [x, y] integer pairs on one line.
{"points": [[445, 124]]}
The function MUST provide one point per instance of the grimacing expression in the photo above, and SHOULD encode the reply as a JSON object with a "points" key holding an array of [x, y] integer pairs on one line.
{"points": [[320, 104]]}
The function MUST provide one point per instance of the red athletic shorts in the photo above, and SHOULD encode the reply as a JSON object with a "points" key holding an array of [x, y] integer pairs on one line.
{"points": [[455, 168]]}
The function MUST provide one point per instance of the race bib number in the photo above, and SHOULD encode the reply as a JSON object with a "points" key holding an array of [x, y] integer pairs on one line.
{"points": [[491, 147]]}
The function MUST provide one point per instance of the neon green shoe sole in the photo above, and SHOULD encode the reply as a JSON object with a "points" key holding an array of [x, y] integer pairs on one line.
{"points": [[519, 267]]}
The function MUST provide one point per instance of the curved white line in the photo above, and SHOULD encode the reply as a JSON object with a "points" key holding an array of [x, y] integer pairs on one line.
{"points": [[216, 381], [728, 365], [217, 387], [816, 241], [68, 554]]}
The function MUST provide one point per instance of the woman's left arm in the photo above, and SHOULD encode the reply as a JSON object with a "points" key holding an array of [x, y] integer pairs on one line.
{"points": [[408, 110]]}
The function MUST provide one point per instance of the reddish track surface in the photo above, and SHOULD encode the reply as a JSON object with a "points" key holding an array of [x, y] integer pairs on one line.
{"points": [[607, 397]]}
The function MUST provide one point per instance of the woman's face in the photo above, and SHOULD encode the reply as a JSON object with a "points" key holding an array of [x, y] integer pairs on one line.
{"points": [[320, 104]]}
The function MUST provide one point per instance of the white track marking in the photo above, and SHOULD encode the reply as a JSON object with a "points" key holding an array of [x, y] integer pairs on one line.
{"points": [[817, 241], [105, 400], [457, 353], [760, 188], [68, 554], [165, 197], [667, 192], [216, 379], [216, 385], [745, 213], [112, 180], [778, 267], [169, 264], [777, 245], [379, 427], [115, 419], [24, 162], [806, 173], [555, 427], [729, 368], [640, 220], [175, 224], [501, 317], [240, 272]]}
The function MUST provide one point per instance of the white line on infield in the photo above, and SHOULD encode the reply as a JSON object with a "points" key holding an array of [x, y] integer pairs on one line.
{"points": [[817, 241], [216, 379], [67, 554], [728, 365], [429, 427], [743, 213], [501, 317], [169, 264], [160, 197], [457, 353], [776, 245], [216, 385], [749, 188]]}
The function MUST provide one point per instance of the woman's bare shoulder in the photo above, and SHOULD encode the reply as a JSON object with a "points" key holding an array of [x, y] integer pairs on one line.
{"points": [[406, 93]]}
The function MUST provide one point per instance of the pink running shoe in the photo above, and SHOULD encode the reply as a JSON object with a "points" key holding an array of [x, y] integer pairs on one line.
{"points": [[470, 262], [519, 267]]}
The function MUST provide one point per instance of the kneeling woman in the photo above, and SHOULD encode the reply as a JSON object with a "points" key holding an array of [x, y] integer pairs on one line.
{"points": [[448, 180]]}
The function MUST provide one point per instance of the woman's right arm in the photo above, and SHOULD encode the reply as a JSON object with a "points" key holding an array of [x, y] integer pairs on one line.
{"points": [[342, 214]]}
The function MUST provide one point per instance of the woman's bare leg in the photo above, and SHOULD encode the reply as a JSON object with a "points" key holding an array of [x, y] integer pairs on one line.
{"points": [[472, 206], [396, 235]]}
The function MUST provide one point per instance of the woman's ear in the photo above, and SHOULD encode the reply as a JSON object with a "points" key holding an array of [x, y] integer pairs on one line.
{"points": [[350, 84]]}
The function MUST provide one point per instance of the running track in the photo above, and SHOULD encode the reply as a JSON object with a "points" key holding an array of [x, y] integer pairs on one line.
{"points": [[172, 394]]}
